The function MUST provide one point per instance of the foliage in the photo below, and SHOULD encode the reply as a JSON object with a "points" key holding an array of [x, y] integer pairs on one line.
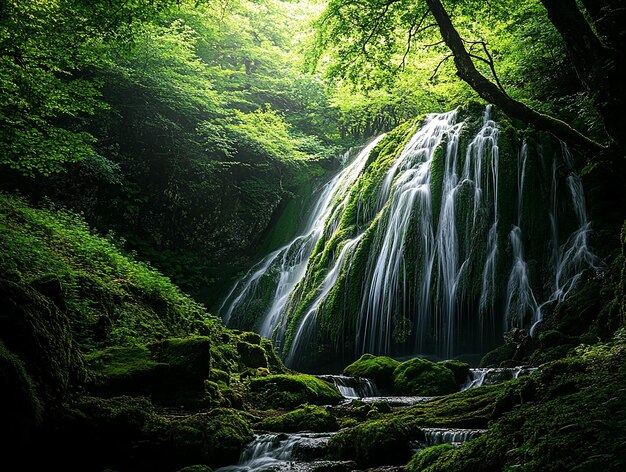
{"points": [[427, 457], [114, 298]]}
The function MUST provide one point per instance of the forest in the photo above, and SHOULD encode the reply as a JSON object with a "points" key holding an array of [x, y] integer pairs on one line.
{"points": [[313, 235]]}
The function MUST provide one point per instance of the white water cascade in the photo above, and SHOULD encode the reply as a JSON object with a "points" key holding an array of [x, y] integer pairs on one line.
{"points": [[352, 387], [279, 451], [438, 260], [286, 266]]}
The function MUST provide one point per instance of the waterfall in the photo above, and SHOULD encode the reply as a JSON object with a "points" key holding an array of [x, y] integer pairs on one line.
{"points": [[306, 326], [427, 250], [286, 266], [570, 259], [352, 387], [407, 185], [492, 375], [436, 436], [271, 451]]}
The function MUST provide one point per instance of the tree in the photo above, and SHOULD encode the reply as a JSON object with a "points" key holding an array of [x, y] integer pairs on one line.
{"points": [[370, 26]]}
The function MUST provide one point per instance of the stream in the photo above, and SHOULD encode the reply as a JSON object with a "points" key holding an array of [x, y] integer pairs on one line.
{"points": [[305, 451]]}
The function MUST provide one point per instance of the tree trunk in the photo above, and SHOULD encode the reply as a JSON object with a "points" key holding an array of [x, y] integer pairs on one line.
{"points": [[489, 91], [600, 67]]}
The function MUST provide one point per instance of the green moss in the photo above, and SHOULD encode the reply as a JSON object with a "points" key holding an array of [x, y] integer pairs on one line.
{"points": [[125, 433], [378, 368], [215, 438], [376, 442], [570, 418], [285, 391], [498, 355], [307, 418], [422, 377], [459, 369], [36, 328], [252, 355], [428, 457], [172, 371], [275, 364]]}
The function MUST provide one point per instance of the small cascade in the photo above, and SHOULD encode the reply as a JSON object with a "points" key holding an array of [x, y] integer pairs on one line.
{"points": [[493, 375], [575, 255], [279, 451], [352, 387], [398, 401], [456, 437]]}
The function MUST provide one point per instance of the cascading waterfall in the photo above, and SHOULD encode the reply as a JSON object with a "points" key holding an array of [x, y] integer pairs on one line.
{"points": [[436, 436], [352, 387], [305, 328], [385, 271], [286, 266], [428, 253]]}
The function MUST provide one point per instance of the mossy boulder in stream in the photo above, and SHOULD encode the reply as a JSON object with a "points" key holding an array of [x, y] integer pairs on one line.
{"points": [[422, 377], [426, 457], [378, 368], [286, 391]]}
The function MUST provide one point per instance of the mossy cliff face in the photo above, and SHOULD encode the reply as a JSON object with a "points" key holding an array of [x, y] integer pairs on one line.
{"points": [[501, 274]]}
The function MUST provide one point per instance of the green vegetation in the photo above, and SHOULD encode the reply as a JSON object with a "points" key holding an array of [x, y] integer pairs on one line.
{"points": [[422, 377], [113, 298], [285, 391], [306, 418], [428, 457], [378, 368], [152, 151], [419, 377]]}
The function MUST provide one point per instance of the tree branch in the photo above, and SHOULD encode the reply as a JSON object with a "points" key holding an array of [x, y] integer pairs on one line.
{"points": [[491, 92]]}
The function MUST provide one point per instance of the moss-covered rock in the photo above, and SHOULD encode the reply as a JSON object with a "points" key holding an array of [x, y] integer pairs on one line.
{"points": [[378, 368], [497, 356], [459, 369], [427, 457], [423, 377], [172, 371], [127, 433], [307, 418], [35, 329], [376, 442], [286, 391], [252, 355], [216, 438]]}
